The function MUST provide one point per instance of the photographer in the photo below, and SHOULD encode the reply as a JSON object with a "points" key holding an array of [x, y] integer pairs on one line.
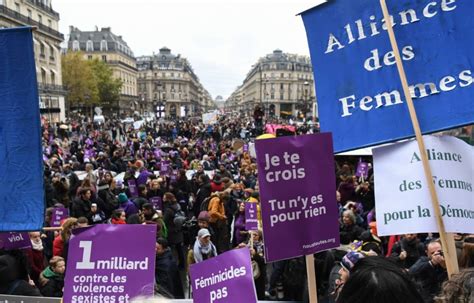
{"points": [[430, 272]]}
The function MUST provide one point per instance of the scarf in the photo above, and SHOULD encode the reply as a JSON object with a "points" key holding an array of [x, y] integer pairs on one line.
{"points": [[118, 221], [37, 245], [200, 250]]}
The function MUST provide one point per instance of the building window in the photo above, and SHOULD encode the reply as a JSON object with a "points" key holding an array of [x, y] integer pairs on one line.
{"points": [[40, 19], [104, 58], [281, 86], [75, 45], [43, 76], [89, 46], [51, 53], [282, 75], [89, 57], [50, 23], [103, 46], [53, 78], [30, 14], [17, 7], [42, 53]]}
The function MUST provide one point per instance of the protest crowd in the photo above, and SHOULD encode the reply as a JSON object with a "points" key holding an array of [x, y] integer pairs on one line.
{"points": [[192, 181]]}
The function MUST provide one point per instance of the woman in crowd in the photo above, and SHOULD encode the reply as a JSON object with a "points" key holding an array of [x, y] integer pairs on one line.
{"points": [[240, 233], [118, 217], [203, 247], [375, 280], [61, 242], [349, 230]]}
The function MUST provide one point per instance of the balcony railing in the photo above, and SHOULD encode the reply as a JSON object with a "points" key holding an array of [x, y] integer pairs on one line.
{"points": [[28, 21], [45, 8], [51, 88]]}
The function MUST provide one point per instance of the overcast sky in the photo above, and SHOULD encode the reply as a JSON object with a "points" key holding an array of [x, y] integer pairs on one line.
{"points": [[222, 39]]}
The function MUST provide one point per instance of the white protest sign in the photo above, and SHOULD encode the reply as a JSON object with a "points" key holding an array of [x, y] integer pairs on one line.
{"points": [[403, 203], [209, 118]]}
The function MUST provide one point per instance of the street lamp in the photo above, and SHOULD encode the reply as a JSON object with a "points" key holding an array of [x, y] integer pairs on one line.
{"points": [[305, 100], [48, 97]]}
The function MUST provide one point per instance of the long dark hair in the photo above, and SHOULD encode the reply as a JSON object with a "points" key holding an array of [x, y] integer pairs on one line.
{"points": [[376, 279]]}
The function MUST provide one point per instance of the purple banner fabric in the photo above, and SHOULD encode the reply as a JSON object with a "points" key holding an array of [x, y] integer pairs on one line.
{"points": [[298, 195], [362, 170], [104, 264], [157, 203], [251, 221], [225, 278], [132, 188], [14, 240], [59, 214]]}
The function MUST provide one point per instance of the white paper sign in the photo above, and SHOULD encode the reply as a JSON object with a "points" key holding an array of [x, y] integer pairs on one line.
{"points": [[403, 203], [209, 118]]}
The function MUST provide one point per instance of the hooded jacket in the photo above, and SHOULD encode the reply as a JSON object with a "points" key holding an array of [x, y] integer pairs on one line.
{"points": [[51, 283]]}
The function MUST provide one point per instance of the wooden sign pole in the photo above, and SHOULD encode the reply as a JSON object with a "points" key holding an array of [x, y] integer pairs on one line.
{"points": [[311, 273], [449, 253]]}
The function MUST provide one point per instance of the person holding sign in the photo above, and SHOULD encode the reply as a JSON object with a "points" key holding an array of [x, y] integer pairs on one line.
{"points": [[240, 233]]}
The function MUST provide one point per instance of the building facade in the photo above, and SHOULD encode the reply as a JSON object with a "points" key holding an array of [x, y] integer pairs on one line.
{"points": [[168, 86], [112, 49], [282, 84], [46, 40]]}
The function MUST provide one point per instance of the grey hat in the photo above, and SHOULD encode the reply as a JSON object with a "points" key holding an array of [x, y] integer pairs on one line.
{"points": [[203, 232]]}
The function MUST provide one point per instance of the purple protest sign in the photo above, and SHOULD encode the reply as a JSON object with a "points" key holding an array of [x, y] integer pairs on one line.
{"points": [[362, 169], [14, 240], [246, 148], [174, 176], [164, 168], [251, 221], [110, 263], [157, 154], [157, 203], [59, 214], [132, 188], [298, 200], [225, 278]]}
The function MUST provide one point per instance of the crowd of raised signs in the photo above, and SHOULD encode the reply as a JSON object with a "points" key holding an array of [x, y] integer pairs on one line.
{"points": [[193, 181]]}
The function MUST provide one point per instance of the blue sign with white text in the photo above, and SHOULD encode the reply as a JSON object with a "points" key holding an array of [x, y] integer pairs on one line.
{"points": [[359, 92]]}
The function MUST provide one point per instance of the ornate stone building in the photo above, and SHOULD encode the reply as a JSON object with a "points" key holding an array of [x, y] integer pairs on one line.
{"points": [[282, 84], [47, 40], [106, 46], [167, 85]]}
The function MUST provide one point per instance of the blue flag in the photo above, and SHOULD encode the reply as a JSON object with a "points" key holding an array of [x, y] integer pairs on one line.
{"points": [[359, 92], [21, 170]]}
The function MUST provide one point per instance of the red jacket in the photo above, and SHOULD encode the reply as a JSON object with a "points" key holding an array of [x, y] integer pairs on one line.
{"points": [[58, 246], [37, 262]]}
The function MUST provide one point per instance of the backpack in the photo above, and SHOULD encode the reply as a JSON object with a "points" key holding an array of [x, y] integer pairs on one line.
{"points": [[205, 204], [179, 218], [294, 274]]}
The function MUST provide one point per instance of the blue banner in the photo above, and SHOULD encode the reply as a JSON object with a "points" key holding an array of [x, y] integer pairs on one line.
{"points": [[21, 170], [359, 92]]}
